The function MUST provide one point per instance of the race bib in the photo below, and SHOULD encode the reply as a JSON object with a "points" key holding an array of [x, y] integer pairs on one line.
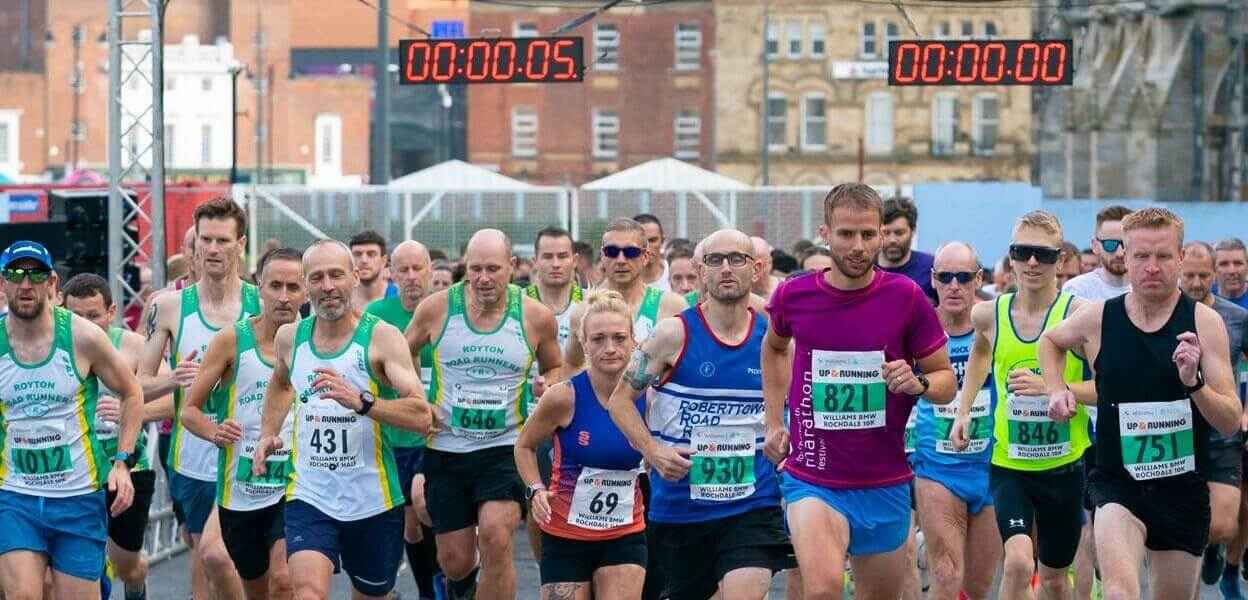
{"points": [[978, 431], [39, 448], [847, 389], [723, 463], [1156, 439], [603, 499], [479, 412], [1033, 435], [911, 434], [277, 467], [1091, 410], [330, 439]]}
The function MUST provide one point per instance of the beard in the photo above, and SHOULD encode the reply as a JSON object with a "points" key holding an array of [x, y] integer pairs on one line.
{"points": [[330, 313], [897, 252], [852, 271], [1118, 268], [16, 311], [728, 296]]}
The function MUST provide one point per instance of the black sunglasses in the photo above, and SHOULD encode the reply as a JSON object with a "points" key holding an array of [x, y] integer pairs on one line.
{"points": [[629, 252], [945, 277], [1110, 246], [1043, 254], [36, 275]]}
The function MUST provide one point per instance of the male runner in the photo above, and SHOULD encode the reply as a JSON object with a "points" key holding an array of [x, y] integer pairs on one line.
{"points": [[954, 501], [1225, 452], [766, 282], [486, 335], [1166, 381], [54, 470], [238, 362], [1036, 477], [410, 265], [1109, 278], [344, 377], [654, 273], [861, 335], [368, 249], [901, 221], [1068, 264], [1231, 262], [681, 275], [715, 498], [185, 321], [88, 296]]}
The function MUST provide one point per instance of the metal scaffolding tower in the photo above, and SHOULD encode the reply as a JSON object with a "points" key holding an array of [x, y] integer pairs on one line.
{"points": [[136, 150]]}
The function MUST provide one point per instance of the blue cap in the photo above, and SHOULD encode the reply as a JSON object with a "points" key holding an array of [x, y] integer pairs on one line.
{"points": [[26, 249]]}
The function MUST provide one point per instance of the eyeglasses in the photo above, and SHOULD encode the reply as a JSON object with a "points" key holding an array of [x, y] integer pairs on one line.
{"points": [[36, 275], [1043, 254], [735, 259], [629, 252], [1110, 246], [963, 277]]}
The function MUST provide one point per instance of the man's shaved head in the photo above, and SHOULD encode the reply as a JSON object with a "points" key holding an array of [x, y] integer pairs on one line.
{"points": [[410, 248]]}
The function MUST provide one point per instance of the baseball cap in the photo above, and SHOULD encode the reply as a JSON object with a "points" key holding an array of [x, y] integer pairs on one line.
{"points": [[26, 249]]}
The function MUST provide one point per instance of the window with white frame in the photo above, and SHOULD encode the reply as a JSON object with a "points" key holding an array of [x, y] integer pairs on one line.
{"points": [[943, 31], [777, 122], [523, 131], [990, 29], [606, 133], [968, 29], [814, 122], [879, 125], [868, 46], [524, 30], [328, 144], [10, 121], [892, 33], [985, 122], [793, 38], [607, 46], [688, 135], [205, 145], [688, 46], [944, 123], [818, 40], [773, 39]]}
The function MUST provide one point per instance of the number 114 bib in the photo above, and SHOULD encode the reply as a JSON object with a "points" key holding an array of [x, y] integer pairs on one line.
{"points": [[847, 389]]}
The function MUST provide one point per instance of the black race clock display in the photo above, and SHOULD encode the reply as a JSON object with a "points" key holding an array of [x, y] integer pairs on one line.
{"points": [[980, 62], [492, 60]]}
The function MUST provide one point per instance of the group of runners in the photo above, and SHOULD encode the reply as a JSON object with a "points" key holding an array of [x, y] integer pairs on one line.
{"points": [[687, 428]]}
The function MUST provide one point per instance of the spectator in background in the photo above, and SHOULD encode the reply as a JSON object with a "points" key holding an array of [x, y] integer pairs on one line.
{"points": [[816, 258], [436, 254], [1231, 265], [766, 281], [654, 274], [674, 243], [523, 272], [1109, 279], [177, 267], [1088, 261], [586, 262], [134, 310], [682, 278], [443, 277], [458, 270], [901, 220], [799, 248], [782, 263], [368, 249], [1068, 266], [1002, 279]]}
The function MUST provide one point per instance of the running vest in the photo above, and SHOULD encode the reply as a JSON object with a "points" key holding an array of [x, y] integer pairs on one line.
{"points": [[933, 421], [242, 399], [391, 311], [189, 454], [593, 483], [1150, 429], [712, 403], [691, 298], [343, 464], [50, 448], [647, 314], [564, 319], [482, 394], [1026, 439], [107, 431]]}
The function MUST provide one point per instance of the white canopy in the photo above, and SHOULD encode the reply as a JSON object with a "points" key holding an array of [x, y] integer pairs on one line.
{"points": [[457, 175], [667, 175]]}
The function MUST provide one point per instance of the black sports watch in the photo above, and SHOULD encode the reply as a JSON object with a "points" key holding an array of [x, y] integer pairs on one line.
{"points": [[1200, 383], [922, 379], [532, 490], [366, 403]]}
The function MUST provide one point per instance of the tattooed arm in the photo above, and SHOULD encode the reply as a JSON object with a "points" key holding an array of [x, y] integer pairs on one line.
{"points": [[650, 364]]}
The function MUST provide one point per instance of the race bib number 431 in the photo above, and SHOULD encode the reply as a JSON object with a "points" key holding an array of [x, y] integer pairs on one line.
{"points": [[1157, 439], [847, 389]]}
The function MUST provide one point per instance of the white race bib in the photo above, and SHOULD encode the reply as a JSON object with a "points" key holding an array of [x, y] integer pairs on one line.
{"points": [[847, 389], [330, 439], [978, 432], [38, 448], [723, 463], [603, 499], [479, 412], [1032, 434], [1156, 439]]}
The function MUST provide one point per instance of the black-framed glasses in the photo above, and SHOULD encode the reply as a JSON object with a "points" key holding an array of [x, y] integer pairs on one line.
{"points": [[963, 277], [1110, 246], [735, 259], [36, 275], [1043, 254], [629, 252]]}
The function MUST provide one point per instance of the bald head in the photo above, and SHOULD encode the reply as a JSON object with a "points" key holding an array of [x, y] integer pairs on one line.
{"points": [[411, 272], [728, 240], [488, 242], [1199, 252], [762, 249], [488, 263], [956, 256], [410, 250], [322, 252]]}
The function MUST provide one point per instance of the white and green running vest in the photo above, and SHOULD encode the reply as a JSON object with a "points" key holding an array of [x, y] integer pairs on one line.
{"points": [[242, 399], [107, 431], [47, 416], [343, 464], [189, 454], [563, 319], [647, 314], [482, 393]]}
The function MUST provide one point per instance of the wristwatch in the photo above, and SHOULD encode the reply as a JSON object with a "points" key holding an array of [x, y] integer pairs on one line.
{"points": [[532, 490], [126, 458], [922, 379], [1200, 383], [366, 403]]}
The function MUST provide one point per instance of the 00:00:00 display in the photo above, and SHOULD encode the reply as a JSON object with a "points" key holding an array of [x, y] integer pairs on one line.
{"points": [[976, 62]]}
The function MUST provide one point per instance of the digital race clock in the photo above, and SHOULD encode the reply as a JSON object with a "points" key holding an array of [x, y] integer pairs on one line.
{"points": [[980, 62], [492, 60]]}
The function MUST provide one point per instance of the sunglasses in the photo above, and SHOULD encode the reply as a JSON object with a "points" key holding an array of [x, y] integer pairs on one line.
{"points": [[735, 259], [36, 275], [629, 252], [1043, 254], [945, 277], [1110, 246]]}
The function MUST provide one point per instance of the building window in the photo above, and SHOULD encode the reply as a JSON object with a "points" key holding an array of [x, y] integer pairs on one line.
{"points": [[814, 123], [968, 30], [607, 46], [773, 39], [523, 131], [818, 45], [892, 33], [985, 121], [688, 46], [328, 145], [793, 36], [879, 123], [867, 48], [688, 128], [171, 155], [943, 31], [944, 123], [990, 29], [777, 122], [205, 145], [606, 132], [524, 30], [9, 136]]}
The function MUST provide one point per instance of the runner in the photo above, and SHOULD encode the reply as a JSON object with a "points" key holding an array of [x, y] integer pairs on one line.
{"points": [[1231, 262], [858, 331], [593, 531], [1169, 353], [184, 322], [681, 277], [238, 362], [87, 295], [766, 282], [1036, 478], [368, 250], [1225, 452], [344, 377], [715, 499], [954, 501], [655, 272], [1068, 264], [816, 259], [54, 471], [486, 334], [409, 261], [901, 222]]}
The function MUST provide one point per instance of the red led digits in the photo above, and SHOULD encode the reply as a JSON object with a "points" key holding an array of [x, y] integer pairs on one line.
{"points": [[492, 60], [967, 70], [933, 69], [563, 51], [979, 62], [906, 71], [444, 61], [1027, 62], [536, 60], [1054, 63], [477, 65], [504, 64], [417, 58], [993, 71]]}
